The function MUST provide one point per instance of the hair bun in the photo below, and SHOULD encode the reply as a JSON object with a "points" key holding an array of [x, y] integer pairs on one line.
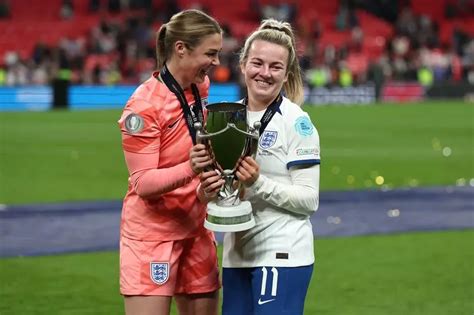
{"points": [[275, 25]]}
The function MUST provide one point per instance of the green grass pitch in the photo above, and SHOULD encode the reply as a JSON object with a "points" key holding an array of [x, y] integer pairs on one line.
{"points": [[66, 156], [413, 273]]}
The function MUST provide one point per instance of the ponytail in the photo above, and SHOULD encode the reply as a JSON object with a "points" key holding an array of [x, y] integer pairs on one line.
{"points": [[161, 52]]}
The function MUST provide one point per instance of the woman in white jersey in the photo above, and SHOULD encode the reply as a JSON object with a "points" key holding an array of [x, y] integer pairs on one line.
{"points": [[267, 269]]}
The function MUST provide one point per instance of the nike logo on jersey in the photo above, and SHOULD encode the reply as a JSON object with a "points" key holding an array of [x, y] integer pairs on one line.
{"points": [[173, 124], [260, 302]]}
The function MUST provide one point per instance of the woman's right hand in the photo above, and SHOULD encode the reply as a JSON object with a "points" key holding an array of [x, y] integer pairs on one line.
{"points": [[248, 171]]}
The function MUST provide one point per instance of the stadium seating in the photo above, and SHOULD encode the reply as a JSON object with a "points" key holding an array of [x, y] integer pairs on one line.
{"points": [[40, 21]]}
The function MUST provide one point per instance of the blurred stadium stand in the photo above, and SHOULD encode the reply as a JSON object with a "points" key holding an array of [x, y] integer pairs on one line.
{"points": [[345, 43]]}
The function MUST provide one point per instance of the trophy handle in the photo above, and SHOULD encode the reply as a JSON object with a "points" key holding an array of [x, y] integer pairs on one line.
{"points": [[251, 142], [203, 138]]}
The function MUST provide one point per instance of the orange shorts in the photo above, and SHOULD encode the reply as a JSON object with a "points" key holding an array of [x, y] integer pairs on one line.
{"points": [[167, 268]]}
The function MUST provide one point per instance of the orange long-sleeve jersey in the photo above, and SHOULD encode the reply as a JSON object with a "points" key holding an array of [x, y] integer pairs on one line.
{"points": [[161, 201]]}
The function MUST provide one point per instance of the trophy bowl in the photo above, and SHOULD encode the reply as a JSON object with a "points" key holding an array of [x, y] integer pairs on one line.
{"points": [[228, 138]]}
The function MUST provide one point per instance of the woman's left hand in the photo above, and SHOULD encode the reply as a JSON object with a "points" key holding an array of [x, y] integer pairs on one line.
{"points": [[199, 158]]}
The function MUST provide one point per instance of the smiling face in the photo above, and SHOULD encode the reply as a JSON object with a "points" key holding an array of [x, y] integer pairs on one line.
{"points": [[196, 63], [265, 72]]}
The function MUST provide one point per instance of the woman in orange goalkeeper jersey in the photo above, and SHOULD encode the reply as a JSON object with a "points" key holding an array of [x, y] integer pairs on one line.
{"points": [[165, 251]]}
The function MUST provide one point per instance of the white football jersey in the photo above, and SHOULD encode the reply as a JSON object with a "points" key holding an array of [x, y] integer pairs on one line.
{"points": [[281, 237]]}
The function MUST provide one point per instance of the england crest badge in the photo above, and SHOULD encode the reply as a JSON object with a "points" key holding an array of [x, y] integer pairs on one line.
{"points": [[159, 272], [268, 139]]}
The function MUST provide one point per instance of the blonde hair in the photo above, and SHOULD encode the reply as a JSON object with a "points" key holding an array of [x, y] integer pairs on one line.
{"points": [[189, 26], [280, 33]]}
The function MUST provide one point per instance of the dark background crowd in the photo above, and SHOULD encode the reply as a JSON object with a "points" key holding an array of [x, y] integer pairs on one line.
{"points": [[345, 42]]}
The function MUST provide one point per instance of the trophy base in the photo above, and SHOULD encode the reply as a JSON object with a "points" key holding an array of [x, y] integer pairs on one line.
{"points": [[229, 219]]}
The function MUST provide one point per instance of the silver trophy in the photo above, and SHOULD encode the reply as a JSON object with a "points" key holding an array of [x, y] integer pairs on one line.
{"points": [[228, 138]]}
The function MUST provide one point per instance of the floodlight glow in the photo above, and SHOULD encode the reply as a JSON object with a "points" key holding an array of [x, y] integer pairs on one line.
{"points": [[447, 151], [379, 180], [350, 179]]}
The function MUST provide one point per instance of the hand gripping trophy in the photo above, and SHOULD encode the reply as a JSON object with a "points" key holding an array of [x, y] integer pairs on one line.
{"points": [[228, 138]]}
